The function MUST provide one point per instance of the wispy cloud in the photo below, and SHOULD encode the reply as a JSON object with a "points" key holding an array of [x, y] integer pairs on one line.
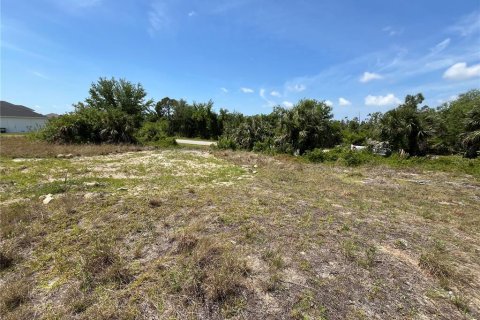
{"points": [[192, 13], [13, 47], [74, 6], [468, 25], [439, 47], [391, 31], [298, 87], [247, 90], [329, 103], [158, 18], [369, 76], [287, 104], [275, 94], [388, 100], [269, 103], [460, 71], [343, 102], [225, 90], [40, 75]]}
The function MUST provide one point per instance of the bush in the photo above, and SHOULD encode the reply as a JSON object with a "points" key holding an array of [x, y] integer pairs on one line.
{"points": [[89, 125], [316, 155], [264, 146], [226, 143], [155, 133], [347, 157], [355, 158]]}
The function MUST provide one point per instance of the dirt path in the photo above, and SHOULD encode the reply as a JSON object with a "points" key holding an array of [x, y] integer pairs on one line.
{"points": [[196, 142]]}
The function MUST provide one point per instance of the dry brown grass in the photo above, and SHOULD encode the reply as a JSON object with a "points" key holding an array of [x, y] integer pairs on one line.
{"points": [[23, 147], [14, 294], [214, 240]]}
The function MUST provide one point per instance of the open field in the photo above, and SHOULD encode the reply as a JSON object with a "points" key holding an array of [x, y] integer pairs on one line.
{"points": [[175, 234]]}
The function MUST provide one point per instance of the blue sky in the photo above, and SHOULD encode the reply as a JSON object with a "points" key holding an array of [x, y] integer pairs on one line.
{"points": [[245, 55]]}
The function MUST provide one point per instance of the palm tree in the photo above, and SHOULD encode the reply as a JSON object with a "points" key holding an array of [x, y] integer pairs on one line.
{"points": [[471, 138]]}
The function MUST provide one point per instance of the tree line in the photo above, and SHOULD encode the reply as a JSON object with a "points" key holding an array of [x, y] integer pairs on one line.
{"points": [[117, 111]]}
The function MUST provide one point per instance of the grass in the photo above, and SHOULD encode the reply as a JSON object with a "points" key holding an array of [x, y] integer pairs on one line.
{"points": [[22, 146], [188, 233], [453, 163]]}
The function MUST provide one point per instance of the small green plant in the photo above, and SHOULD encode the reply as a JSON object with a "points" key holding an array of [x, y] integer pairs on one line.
{"points": [[274, 259], [349, 249], [369, 259], [307, 308], [460, 301], [436, 262]]}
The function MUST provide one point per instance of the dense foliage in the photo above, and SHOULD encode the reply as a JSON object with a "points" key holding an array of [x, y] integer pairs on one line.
{"points": [[118, 111]]}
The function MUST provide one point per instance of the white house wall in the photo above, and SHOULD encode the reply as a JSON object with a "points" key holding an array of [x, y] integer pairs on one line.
{"points": [[17, 124]]}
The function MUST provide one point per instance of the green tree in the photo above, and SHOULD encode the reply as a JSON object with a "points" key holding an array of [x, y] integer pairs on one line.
{"points": [[452, 118], [306, 126], [165, 108], [471, 137], [120, 95], [404, 127]]}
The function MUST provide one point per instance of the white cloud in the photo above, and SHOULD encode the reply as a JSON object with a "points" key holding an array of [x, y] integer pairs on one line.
{"points": [[329, 103], [392, 31], [369, 76], [224, 90], [441, 46], [192, 13], [247, 90], [269, 103], [387, 100], [297, 87], [287, 104], [460, 71], [275, 94], [449, 99], [158, 18], [343, 102]]}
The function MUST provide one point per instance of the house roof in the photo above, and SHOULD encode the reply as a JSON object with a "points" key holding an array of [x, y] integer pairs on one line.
{"points": [[8, 109]]}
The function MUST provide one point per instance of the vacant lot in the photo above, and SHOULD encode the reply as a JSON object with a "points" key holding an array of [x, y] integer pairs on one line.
{"points": [[157, 234]]}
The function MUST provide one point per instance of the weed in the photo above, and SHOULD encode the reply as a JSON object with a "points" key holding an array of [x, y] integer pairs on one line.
{"points": [[101, 264], [349, 249], [307, 308], [154, 203], [13, 294], [273, 282], [460, 301], [401, 244], [274, 259], [212, 272], [436, 264], [186, 242], [370, 256]]}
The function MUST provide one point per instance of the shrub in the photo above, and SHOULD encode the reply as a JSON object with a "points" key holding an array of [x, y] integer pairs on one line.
{"points": [[355, 158], [89, 125], [226, 143], [155, 133], [264, 146], [316, 155]]}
